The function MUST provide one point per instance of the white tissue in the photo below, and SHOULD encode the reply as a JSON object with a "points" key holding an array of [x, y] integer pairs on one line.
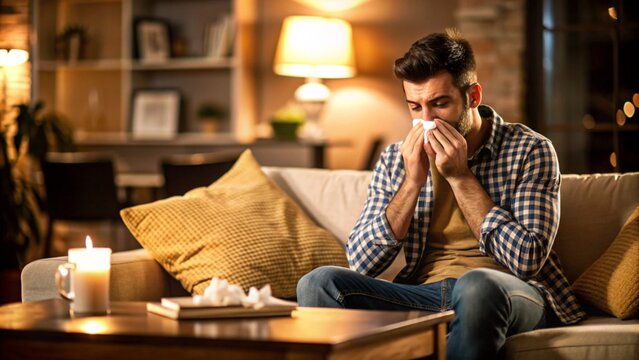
{"points": [[427, 126], [221, 293]]}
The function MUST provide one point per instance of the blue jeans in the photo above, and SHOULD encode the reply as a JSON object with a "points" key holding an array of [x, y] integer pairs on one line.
{"points": [[489, 305]]}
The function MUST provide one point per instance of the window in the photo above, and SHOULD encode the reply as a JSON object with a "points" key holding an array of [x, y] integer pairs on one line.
{"points": [[583, 72]]}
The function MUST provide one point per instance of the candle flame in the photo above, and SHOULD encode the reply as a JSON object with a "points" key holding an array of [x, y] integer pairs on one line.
{"points": [[88, 242]]}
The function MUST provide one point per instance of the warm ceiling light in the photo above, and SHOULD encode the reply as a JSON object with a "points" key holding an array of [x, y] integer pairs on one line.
{"points": [[12, 57], [612, 12], [315, 47], [332, 5], [635, 99]]}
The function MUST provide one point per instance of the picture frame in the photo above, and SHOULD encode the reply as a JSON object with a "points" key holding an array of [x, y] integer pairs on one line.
{"points": [[152, 40], [155, 114]]}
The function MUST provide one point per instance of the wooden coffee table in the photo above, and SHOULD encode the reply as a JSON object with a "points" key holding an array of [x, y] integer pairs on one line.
{"points": [[45, 330]]}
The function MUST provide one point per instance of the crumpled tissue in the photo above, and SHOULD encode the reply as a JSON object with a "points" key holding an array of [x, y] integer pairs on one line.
{"points": [[427, 126], [221, 293]]}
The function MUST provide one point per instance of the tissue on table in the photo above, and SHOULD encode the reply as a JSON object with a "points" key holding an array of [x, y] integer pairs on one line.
{"points": [[427, 126], [221, 293]]}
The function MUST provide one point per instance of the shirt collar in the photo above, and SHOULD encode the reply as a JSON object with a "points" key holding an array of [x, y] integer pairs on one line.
{"points": [[492, 143]]}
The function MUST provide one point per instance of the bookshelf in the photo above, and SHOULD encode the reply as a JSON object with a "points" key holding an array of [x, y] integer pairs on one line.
{"points": [[95, 89]]}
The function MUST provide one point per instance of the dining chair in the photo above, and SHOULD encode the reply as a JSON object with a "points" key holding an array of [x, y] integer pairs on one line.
{"points": [[80, 187], [374, 151], [187, 171]]}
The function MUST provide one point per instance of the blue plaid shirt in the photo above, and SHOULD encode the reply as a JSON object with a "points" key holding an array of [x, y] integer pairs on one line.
{"points": [[520, 172]]}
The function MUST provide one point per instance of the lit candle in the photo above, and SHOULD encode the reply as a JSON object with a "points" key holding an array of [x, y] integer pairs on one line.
{"points": [[90, 278]]}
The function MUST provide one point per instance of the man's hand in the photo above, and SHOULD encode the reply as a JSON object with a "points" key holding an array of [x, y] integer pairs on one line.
{"points": [[449, 150], [401, 208], [415, 160]]}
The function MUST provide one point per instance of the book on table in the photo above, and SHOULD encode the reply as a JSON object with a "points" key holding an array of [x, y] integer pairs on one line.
{"points": [[186, 308]]}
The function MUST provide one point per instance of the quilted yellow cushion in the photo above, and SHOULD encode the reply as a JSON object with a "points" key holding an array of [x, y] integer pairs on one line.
{"points": [[611, 283], [242, 228]]}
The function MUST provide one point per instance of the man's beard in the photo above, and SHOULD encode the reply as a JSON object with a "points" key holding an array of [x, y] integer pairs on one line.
{"points": [[463, 126]]}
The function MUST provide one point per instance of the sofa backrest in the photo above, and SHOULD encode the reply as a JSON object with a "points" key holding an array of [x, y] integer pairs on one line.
{"points": [[332, 198], [593, 207]]}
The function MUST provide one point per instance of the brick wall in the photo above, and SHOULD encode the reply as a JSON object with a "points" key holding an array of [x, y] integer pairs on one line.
{"points": [[495, 29], [14, 33]]}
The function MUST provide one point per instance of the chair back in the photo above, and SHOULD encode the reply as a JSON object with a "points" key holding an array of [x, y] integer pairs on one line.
{"points": [[374, 152], [185, 172], [80, 186]]}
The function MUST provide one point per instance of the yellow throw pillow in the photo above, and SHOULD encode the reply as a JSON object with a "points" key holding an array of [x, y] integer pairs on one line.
{"points": [[611, 283], [242, 228]]}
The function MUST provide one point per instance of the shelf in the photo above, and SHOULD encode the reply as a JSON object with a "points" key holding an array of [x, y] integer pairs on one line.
{"points": [[94, 93], [90, 65], [192, 139], [182, 139], [200, 63]]}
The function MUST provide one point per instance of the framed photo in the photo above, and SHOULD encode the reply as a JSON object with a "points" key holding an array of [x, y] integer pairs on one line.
{"points": [[152, 39], [155, 113]]}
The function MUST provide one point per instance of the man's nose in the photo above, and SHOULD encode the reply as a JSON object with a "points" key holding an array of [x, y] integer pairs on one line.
{"points": [[426, 114]]}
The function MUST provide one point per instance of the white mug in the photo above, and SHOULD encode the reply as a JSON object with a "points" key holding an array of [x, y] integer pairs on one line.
{"points": [[89, 272]]}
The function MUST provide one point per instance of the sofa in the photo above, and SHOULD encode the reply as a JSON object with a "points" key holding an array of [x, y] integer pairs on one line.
{"points": [[593, 210]]}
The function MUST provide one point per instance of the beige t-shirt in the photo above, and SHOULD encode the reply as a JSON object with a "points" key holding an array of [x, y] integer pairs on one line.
{"points": [[451, 248]]}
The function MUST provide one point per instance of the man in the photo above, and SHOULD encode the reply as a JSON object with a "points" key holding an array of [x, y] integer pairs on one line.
{"points": [[475, 209]]}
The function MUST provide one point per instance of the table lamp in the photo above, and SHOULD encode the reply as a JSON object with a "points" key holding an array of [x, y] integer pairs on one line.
{"points": [[9, 57], [314, 48]]}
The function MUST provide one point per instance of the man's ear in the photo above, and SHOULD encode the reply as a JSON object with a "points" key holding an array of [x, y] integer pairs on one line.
{"points": [[474, 93]]}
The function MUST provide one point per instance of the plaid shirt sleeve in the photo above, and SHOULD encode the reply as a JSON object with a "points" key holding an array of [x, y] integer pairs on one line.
{"points": [[372, 246], [519, 233]]}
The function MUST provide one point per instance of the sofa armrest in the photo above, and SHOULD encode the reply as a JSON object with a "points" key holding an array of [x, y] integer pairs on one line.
{"points": [[135, 276]]}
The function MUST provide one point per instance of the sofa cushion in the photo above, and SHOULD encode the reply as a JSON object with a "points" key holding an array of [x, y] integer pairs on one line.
{"points": [[594, 207], [590, 340], [611, 283], [242, 228], [333, 198]]}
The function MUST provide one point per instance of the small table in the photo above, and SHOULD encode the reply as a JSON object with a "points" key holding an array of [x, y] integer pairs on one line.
{"points": [[44, 329]]}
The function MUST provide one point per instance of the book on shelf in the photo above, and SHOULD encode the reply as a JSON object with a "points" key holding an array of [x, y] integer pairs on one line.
{"points": [[186, 308], [219, 37]]}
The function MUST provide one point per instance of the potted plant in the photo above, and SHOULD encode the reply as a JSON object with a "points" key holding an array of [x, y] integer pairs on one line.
{"points": [[23, 143], [286, 121], [210, 116]]}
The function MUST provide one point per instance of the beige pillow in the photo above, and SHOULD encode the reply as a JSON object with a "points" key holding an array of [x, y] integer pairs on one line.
{"points": [[242, 228], [611, 283]]}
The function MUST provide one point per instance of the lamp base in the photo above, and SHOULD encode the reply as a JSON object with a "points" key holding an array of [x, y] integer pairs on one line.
{"points": [[312, 131]]}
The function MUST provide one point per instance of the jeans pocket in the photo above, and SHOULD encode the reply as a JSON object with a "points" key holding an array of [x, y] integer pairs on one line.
{"points": [[446, 293]]}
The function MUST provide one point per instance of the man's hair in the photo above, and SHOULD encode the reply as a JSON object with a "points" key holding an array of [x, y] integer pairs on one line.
{"points": [[438, 52]]}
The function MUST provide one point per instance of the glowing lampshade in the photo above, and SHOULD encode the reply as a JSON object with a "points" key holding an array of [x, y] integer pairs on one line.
{"points": [[315, 47]]}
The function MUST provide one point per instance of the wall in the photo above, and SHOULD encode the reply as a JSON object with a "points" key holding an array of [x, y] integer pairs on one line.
{"points": [[372, 103], [495, 28], [14, 33]]}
